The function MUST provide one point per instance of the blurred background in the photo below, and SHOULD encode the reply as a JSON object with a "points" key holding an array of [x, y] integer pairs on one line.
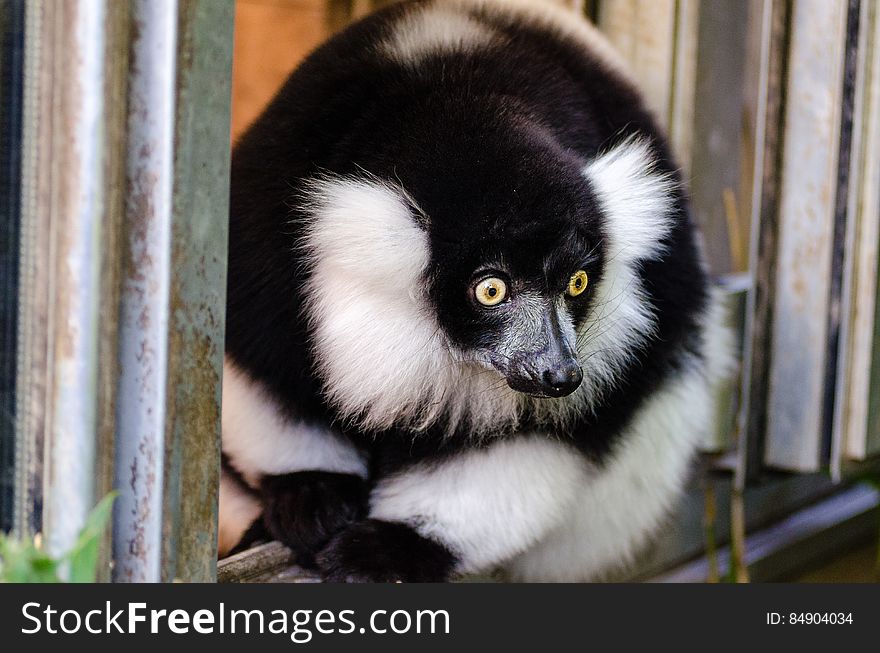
{"points": [[114, 152]]}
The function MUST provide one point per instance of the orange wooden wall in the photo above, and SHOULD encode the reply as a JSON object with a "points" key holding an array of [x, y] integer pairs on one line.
{"points": [[271, 37]]}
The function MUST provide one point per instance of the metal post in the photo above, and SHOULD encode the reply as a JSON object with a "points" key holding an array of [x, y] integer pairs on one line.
{"points": [[72, 451], [144, 305], [198, 289]]}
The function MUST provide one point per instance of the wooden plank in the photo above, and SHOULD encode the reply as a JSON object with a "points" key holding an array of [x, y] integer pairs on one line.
{"points": [[643, 32], [255, 564], [684, 74], [804, 269], [734, 290], [858, 418], [769, 21]]}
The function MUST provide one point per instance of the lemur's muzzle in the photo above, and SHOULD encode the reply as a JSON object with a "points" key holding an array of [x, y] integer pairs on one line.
{"points": [[550, 371], [541, 375]]}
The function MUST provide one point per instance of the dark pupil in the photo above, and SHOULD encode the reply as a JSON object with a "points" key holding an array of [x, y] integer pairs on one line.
{"points": [[577, 282], [492, 291]]}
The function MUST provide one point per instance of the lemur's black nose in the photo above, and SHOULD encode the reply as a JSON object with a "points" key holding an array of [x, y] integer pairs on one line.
{"points": [[562, 378]]}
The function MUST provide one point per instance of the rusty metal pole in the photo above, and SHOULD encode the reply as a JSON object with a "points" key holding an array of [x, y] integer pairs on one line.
{"points": [[143, 324]]}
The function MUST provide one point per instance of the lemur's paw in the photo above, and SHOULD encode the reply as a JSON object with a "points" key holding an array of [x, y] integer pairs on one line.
{"points": [[374, 551], [305, 509]]}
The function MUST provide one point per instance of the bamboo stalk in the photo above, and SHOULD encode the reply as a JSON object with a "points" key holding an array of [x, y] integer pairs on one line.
{"points": [[709, 515], [739, 571]]}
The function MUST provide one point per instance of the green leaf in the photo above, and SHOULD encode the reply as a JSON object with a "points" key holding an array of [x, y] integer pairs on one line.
{"points": [[24, 562], [83, 558]]}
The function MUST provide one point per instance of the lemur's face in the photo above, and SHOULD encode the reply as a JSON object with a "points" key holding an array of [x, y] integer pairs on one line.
{"points": [[514, 290], [446, 291]]}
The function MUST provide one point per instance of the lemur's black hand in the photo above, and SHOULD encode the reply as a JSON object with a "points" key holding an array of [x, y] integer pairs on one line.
{"points": [[305, 509], [373, 551]]}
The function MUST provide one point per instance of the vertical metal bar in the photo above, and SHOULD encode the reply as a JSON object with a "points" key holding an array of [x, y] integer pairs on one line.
{"points": [[71, 450], [144, 306], [198, 289]]}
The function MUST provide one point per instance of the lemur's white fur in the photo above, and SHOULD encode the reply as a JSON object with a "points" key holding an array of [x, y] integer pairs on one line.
{"points": [[260, 440], [487, 505], [436, 29], [638, 199], [433, 26]]}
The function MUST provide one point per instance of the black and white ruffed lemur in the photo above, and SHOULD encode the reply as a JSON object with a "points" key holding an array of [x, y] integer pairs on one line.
{"points": [[469, 326]]}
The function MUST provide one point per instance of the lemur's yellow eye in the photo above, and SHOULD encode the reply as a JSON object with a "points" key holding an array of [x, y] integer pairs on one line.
{"points": [[491, 291], [577, 284]]}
